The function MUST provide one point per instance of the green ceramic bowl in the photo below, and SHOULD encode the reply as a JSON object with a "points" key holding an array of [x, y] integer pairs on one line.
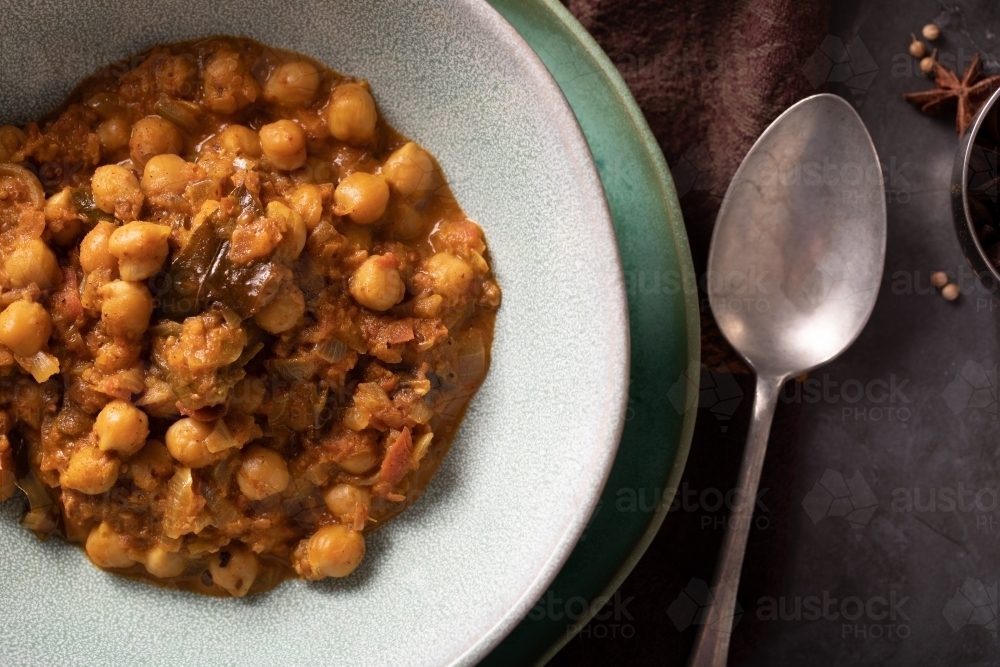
{"points": [[447, 580]]}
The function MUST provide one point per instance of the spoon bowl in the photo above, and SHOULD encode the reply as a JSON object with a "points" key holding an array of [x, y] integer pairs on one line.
{"points": [[793, 272], [799, 242]]}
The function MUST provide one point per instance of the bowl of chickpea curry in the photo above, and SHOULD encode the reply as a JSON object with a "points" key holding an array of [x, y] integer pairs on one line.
{"points": [[242, 319], [244, 331]]}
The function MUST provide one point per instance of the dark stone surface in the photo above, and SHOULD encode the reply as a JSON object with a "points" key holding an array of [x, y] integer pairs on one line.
{"points": [[902, 429]]}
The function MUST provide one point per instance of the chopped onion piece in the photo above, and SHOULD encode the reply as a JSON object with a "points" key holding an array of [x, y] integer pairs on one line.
{"points": [[420, 412], [41, 516], [221, 438], [39, 522], [38, 499], [224, 514], [36, 195], [294, 368], [419, 387], [421, 446], [183, 505], [356, 419], [332, 350], [371, 396], [41, 365]]}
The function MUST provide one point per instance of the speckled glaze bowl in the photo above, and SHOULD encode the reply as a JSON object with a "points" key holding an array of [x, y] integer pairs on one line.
{"points": [[448, 579]]}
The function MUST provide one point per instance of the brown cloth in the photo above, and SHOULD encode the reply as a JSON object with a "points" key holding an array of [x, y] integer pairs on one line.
{"points": [[709, 75]]}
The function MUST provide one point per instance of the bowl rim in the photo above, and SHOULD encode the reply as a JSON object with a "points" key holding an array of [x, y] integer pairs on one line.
{"points": [[593, 84], [573, 137]]}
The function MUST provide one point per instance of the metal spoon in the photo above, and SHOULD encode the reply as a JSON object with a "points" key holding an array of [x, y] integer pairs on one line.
{"points": [[793, 272]]}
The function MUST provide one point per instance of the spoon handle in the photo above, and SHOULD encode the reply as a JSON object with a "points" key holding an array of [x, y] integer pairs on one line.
{"points": [[711, 648]]}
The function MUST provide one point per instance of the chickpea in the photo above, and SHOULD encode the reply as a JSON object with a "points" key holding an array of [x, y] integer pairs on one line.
{"points": [[186, 441], [352, 114], [229, 86], [347, 502], [141, 249], [126, 308], [116, 191], [359, 462], [175, 75], [115, 134], [151, 464], [91, 471], [284, 311], [25, 328], [234, 569], [428, 307], [94, 252], [165, 564], [410, 170], [293, 231], [377, 284], [361, 197], [153, 136], [59, 205], [106, 549], [207, 210], [452, 275], [32, 262], [248, 394], [167, 174], [121, 427], [284, 144], [335, 551], [242, 140], [61, 218], [307, 201], [263, 472], [293, 83], [68, 233]]}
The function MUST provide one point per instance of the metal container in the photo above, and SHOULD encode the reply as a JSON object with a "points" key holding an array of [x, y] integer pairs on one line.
{"points": [[974, 185]]}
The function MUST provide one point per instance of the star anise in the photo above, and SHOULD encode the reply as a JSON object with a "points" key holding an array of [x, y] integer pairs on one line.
{"points": [[968, 94]]}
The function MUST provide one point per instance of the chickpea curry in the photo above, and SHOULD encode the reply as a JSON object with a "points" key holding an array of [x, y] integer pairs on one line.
{"points": [[242, 318]]}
